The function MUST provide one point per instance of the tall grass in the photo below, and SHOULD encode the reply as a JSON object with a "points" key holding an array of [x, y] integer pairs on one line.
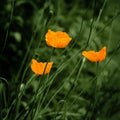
{"points": [[75, 88]]}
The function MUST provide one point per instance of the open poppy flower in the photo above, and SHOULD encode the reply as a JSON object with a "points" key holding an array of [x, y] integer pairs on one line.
{"points": [[57, 39], [95, 56], [41, 68]]}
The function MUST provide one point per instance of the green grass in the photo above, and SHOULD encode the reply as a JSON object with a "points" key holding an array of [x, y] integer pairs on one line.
{"points": [[75, 88]]}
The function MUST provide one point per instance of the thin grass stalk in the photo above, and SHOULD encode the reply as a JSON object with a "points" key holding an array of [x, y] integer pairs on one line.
{"points": [[10, 21], [37, 91], [91, 105], [98, 19], [76, 79], [102, 69], [56, 91], [25, 59], [96, 89], [60, 87], [109, 22], [18, 100]]}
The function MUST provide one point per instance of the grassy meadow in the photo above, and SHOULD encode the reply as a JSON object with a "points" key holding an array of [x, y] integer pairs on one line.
{"points": [[75, 88]]}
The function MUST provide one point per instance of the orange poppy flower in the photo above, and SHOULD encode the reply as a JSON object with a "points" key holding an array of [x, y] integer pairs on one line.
{"points": [[41, 68], [57, 39], [95, 56]]}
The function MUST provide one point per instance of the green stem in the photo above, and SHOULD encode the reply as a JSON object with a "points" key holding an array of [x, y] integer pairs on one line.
{"points": [[7, 33], [39, 96], [75, 80], [21, 91], [92, 104]]}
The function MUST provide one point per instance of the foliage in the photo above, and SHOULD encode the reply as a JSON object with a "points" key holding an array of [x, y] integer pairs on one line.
{"points": [[75, 89]]}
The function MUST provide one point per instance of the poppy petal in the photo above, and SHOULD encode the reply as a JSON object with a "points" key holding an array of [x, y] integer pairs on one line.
{"points": [[41, 68], [95, 56], [90, 55], [102, 54], [57, 39]]}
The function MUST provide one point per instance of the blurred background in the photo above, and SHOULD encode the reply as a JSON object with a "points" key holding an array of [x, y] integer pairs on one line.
{"points": [[92, 24]]}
